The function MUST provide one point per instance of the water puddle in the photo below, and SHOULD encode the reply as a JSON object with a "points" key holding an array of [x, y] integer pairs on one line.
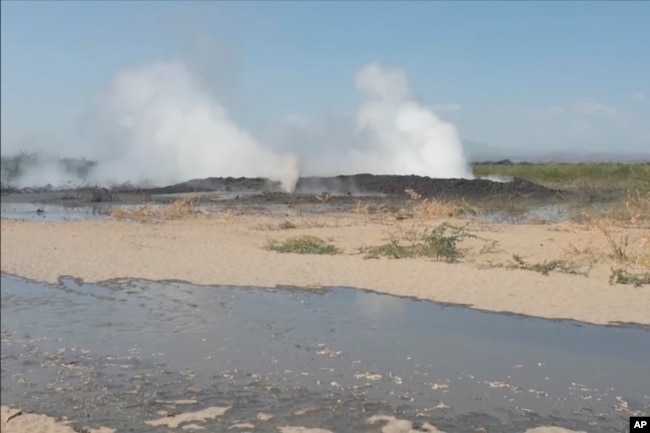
{"points": [[133, 351], [52, 213]]}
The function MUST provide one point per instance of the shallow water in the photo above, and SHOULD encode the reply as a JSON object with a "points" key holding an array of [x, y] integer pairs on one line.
{"points": [[51, 213], [119, 353]]}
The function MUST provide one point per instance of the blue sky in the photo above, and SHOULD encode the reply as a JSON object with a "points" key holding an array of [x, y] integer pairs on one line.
{"points": [[532, 76]]}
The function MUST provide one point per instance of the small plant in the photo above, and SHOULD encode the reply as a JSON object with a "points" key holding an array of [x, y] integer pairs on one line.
{"points": [[286, 225], [545, 267], [303, 245], [617, 246], [443, 242], [622, 276], [439, 243]]}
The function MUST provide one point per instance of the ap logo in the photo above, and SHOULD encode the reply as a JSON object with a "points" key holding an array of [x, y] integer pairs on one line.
{"points": [[639, 424]]}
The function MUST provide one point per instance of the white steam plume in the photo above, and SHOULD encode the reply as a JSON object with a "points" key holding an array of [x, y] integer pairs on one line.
{"points": [[163, 128], [403, 136], [390, 133], [157, 124]]}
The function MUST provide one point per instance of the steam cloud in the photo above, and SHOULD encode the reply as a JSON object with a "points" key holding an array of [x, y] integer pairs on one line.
{"points": [[170, 131], [157, 124], [404, 137]]}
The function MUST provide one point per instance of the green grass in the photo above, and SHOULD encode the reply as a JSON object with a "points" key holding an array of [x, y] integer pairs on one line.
{"points": [[612, 175], [303, 245], [440, 243], [621, 276]]}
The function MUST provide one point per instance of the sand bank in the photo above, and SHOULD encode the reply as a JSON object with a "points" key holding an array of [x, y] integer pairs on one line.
{"points": [[223, 250]]}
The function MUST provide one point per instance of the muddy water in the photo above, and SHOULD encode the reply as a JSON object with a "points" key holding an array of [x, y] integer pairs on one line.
{"points": [[130, 351]]}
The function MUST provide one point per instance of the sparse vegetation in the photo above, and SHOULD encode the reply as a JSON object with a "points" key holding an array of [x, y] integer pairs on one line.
{"points": [[617, 244], [545, 267], [629, 245], [440, 243], [303, 245], [622, 276], [428, 209], [637, 207], [287, 225]]}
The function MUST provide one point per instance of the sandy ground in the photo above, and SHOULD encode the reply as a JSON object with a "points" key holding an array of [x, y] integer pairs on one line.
{"points": [[230, 250]]}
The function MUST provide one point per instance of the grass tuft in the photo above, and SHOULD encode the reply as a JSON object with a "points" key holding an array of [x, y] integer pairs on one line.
{"points": [[303, 245], [430, 209], [622, 276]]}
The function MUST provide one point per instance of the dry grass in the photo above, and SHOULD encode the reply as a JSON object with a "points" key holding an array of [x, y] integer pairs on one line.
{"points": [[631, 211], [180, 209], [625, 229], [637, 206], [418, 208], [378, 213], [625, 244], [428, 209]]}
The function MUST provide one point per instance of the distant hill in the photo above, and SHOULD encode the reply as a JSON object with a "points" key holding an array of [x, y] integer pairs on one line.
{"points": [[477, 151]]}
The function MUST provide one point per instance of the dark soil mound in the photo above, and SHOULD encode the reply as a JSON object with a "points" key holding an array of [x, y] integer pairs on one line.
{"points": [[426, 186], [368, 184]]}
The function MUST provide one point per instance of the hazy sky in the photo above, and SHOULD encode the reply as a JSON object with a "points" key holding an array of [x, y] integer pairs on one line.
{"points": [[568, 76]]}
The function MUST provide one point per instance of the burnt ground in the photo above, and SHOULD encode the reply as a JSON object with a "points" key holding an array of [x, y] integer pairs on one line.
{"points": [[368, 184], [346, 190]]}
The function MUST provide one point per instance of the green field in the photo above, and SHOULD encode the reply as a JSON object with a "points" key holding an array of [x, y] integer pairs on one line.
{"points": [[601, 175]]}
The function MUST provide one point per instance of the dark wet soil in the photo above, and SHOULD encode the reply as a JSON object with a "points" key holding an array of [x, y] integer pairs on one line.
{"points": [[369, 184], [126, 351], [262, 191]]}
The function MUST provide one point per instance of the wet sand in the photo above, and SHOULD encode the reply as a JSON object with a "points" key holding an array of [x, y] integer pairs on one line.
{"points": [[230, 250]]}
